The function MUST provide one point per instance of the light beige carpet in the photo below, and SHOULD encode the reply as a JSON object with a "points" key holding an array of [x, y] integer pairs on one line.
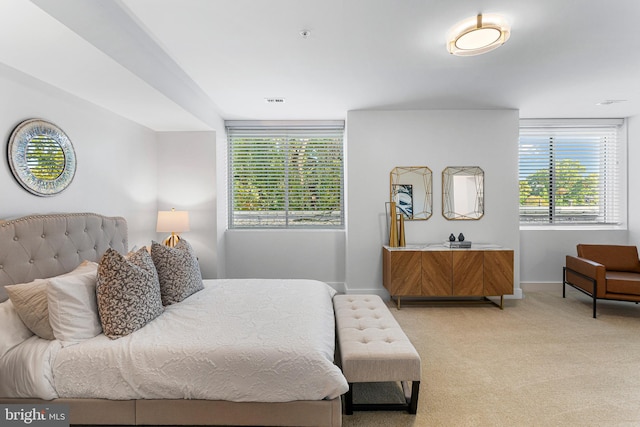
{"points": [[542, 361]]}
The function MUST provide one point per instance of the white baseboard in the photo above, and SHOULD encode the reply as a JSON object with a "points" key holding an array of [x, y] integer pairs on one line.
{"points": [[541, 286], [517, 294]]}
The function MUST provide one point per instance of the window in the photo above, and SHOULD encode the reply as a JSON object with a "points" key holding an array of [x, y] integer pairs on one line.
{"points": [[571, 172], [286, 174]]}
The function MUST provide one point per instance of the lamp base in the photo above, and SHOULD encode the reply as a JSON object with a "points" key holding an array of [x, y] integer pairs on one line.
{"points": [[171, 241]]}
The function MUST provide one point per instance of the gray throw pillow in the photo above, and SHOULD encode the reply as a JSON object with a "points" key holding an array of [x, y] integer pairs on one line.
{"points": [[128, 292], [178, 271]]}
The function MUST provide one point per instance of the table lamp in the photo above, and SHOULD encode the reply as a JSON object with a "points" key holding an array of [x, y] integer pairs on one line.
{"points": [[173, 222]]}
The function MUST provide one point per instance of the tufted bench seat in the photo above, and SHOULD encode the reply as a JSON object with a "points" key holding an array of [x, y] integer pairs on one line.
{"points": [[373, 348]]}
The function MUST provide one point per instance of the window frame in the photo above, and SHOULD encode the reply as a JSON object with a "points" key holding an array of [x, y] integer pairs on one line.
{"points": [[284, 132], [620, 191]]}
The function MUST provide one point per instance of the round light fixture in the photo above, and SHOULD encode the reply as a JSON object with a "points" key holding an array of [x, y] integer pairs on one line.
{"points": [[478, 34]]}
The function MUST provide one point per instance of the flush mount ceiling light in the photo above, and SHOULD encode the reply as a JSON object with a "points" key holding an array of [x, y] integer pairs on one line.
{"points": [[478, 34]]}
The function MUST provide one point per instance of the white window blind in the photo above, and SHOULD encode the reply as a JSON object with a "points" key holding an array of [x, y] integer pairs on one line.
{"points": [[570, 172], [286, 174]]}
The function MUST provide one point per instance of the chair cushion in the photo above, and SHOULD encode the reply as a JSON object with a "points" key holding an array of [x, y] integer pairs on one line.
{"points": [[620, 282], [613, 257]]}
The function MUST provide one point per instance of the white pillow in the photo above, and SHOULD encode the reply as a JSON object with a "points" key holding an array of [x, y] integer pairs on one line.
{"points": [[30, 301], [73, 308], [84, 267], [12, 331]]}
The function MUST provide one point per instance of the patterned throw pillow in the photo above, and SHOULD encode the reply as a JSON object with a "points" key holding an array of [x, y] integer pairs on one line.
{"points": [[178, 271], [128, 292]]}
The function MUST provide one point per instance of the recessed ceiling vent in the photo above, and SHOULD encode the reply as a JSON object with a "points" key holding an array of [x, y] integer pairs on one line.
{"points": [[274, 100]]}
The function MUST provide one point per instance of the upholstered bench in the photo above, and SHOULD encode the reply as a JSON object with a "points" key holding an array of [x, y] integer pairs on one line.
{"points": [[373, 348]]}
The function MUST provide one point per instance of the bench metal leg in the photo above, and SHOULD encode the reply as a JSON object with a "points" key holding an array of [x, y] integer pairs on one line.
{"points": [[348, 400], [411, 405]]}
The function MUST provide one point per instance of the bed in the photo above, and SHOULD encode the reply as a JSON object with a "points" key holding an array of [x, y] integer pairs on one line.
{"points": [[235, 352]]}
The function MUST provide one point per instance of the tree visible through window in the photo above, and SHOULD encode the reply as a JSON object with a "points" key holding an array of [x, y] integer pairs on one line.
{"points": [[45, 157], [570, 174], [286, 176]]}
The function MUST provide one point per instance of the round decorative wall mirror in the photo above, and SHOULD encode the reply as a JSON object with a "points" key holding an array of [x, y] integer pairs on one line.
{"points": [[41, 157]]}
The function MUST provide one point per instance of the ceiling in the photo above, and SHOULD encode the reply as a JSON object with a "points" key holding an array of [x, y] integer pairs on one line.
{"points": [[181, 64]]}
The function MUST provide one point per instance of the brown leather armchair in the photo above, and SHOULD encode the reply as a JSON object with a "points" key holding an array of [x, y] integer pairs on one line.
{"points": [[604, 272]]}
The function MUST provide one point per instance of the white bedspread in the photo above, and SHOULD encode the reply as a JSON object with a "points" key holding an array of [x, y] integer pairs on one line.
{"points": [[237, 340], [25, 371]]}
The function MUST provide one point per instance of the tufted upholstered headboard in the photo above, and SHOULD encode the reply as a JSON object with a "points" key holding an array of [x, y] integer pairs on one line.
{"points": [[41, 246]]}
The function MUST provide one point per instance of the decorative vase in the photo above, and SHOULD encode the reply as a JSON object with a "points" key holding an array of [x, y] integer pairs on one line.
{"points": [[461, 237], [401, 238], [452, 238], [393, 227]]}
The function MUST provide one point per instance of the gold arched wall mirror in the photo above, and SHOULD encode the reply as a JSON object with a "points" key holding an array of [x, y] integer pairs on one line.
{"points": [[41, 157], [412, 190], [463, 192]]}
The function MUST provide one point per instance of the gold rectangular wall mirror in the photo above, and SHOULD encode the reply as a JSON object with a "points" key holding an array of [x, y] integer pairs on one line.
{"points": [[412, 190], [463, 193]]}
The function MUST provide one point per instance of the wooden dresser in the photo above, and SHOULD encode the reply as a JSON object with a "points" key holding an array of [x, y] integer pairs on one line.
{"points": [[437, 271]]}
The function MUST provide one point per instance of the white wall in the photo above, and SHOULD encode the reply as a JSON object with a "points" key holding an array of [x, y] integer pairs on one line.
{"points": [[127, 170], [222, 198], [187, 181], [543, 252], [116, 159], [378, 141], [288, 254], [124, 169]]}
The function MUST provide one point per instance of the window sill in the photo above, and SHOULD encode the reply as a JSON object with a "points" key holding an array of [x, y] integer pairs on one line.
{"points": [[576, 227]]}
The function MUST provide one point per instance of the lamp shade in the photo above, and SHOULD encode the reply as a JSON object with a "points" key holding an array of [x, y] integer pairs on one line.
{"points": [[173, 221]]}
